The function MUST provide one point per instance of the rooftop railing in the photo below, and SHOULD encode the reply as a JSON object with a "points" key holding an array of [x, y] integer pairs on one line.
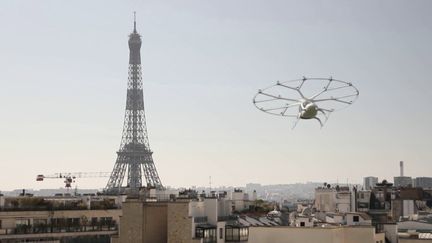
{"points": [[55, 228], [202, 219]]}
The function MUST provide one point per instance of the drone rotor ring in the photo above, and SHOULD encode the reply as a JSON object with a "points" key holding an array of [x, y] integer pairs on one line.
{"points": [[288, 98]]}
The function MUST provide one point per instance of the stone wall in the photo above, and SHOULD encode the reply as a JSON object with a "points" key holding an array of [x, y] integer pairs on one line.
{"points": [[312, 235], [180, 224], [131, 222], [155, 223]]}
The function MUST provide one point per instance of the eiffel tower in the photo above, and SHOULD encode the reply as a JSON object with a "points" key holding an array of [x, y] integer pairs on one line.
{"points": [[134, 158]]}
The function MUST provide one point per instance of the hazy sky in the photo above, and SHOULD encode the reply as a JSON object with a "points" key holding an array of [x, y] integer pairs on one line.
{"points": [[63, 75]]}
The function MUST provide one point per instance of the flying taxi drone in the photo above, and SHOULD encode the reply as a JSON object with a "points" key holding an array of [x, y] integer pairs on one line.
{"points": [[306, 98]]}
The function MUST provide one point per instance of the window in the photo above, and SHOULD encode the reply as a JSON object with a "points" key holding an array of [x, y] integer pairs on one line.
{"points": [[94, 220], [57, 222], [106, 220], [40, 226], [302, 224], [19, 222], [208, 234], [22, 226], [199, 233], [220, 232], [39, 221], [236, 233], [356, 218], [244, 234]]}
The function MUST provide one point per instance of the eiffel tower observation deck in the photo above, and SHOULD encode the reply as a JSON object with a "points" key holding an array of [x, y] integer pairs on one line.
{"points": [[134, 158]]}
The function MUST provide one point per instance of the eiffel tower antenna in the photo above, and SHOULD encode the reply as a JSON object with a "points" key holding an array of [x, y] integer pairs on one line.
{"points": [[134, 158]]}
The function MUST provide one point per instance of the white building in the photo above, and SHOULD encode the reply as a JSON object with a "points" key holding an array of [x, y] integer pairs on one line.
{"points": [[363, 200], [403, 181], [423, 182], [303, 221], [240, 200], [334, 199], [369, 182]]}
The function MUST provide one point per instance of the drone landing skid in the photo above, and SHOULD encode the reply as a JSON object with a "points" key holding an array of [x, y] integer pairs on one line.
{"points": [[316, 118]]}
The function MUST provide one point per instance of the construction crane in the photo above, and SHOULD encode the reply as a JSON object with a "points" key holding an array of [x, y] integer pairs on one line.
{"points": [[69, 177]]}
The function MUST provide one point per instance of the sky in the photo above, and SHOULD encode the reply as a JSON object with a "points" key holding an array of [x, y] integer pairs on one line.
{"points": [[63, 76]]}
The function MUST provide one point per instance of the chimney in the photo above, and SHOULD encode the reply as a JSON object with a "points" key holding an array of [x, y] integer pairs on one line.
{"points": [[401, 168]]}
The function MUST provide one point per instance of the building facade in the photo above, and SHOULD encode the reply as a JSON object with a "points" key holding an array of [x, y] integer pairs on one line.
{"points": [[347, 234], [403, 181], [369, 182], [423, 182], [334, 199], [58, 219]]}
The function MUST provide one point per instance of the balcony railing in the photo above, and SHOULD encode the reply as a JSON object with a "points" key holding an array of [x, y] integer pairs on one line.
{"points": [[50, 207], [227, 218], [51, 228], [200, 219]]}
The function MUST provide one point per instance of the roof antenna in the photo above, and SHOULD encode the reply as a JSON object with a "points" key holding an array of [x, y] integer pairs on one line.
{"points": [[135, 22]]}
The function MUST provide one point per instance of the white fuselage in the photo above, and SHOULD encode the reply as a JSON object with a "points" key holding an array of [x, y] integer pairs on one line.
{"points": [[308, 110]]}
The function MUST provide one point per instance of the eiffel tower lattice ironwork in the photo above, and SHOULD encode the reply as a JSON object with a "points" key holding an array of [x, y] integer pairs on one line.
{"points": [[134, 158]]}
